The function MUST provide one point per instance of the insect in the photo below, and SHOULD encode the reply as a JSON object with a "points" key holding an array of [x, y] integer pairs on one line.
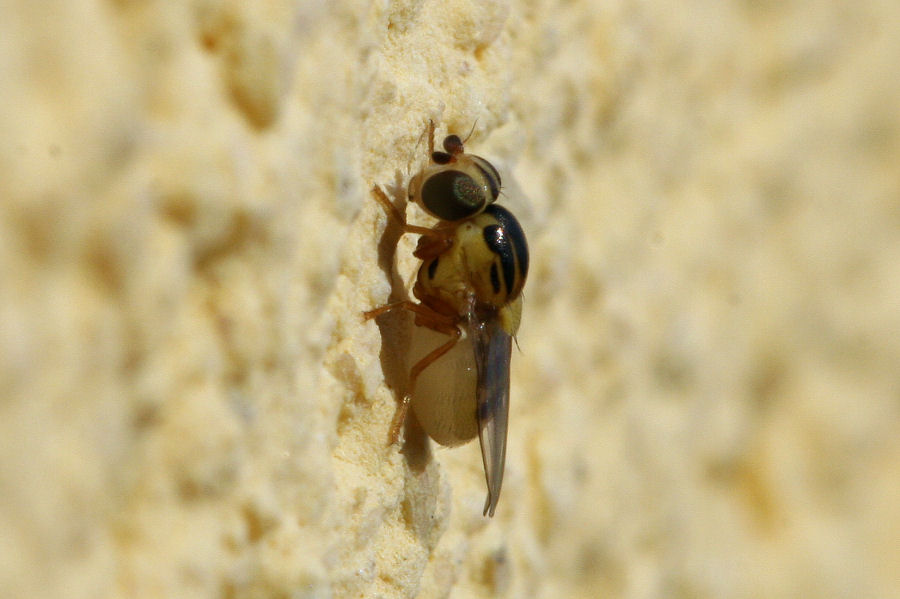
{"points": [[469, 288]]}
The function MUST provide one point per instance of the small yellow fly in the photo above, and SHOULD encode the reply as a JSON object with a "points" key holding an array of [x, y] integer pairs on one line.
{"points": [[469, 287]]}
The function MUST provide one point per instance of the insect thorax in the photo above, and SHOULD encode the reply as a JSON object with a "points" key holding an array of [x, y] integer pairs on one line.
{"points": [[482, 267]]}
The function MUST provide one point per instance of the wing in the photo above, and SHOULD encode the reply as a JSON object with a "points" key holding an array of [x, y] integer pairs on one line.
{"points": [[492, 346]]}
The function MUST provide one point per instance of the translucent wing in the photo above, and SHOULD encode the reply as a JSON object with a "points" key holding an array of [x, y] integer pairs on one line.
{"points": [[492, 347]]}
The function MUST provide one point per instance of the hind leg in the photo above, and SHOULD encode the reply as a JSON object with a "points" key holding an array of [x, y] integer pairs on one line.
{"points": [[429, 318]]}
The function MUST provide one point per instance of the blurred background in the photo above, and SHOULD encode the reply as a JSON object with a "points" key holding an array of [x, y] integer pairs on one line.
{"points": [[706, 402]]}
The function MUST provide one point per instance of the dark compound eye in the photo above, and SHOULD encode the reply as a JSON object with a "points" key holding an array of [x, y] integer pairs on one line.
{"points": [[490, 174], [452, 195]]}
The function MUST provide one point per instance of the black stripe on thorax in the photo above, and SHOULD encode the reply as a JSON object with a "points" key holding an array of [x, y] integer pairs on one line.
{"points": [[507, 240], [511, 246]]}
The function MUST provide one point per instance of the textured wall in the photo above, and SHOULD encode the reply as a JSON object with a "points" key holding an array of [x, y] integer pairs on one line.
{"points": [[706, 400]]}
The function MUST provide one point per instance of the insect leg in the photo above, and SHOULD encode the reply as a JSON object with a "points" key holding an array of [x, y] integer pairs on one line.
{"points": [[429, 131], [415, 371], [429, 318], [374, 313], [394, 213]]}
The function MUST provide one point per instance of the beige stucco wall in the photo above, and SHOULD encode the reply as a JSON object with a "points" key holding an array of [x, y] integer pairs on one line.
{"points": [[706, 400]]}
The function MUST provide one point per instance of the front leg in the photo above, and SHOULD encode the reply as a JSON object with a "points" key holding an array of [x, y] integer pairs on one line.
{"points": [[394, 214]]}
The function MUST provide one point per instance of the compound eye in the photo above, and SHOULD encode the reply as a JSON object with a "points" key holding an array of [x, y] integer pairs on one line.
{"points": [[452, 195]]}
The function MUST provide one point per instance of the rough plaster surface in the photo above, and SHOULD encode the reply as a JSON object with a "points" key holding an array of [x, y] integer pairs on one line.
{"points": [[707, 401]]}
